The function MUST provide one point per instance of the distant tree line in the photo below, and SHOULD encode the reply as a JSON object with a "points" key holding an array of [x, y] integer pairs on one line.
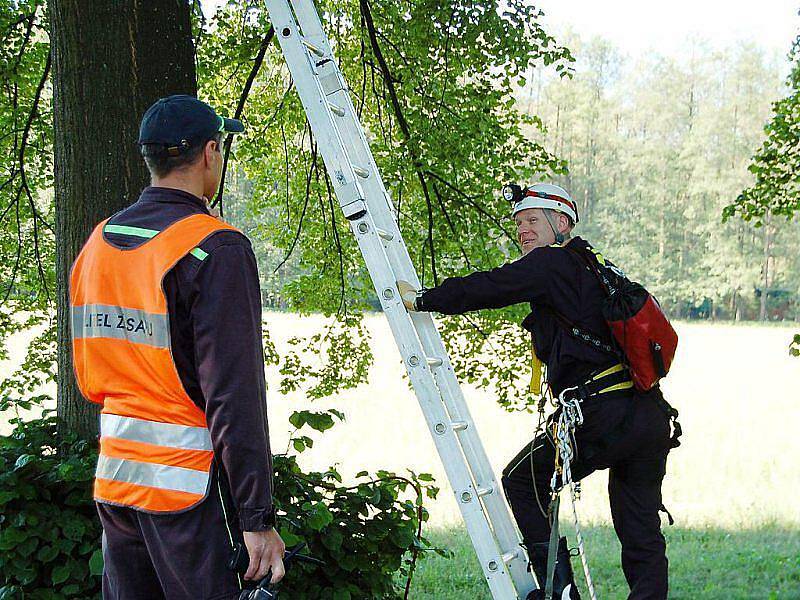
{"points": [[656, 149]]}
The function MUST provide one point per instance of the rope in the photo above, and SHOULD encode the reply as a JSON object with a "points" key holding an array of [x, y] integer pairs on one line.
{"points": [[569, 419]]}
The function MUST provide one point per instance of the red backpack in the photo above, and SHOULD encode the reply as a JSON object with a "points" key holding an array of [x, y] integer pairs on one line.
{"points": [[645, 338]]}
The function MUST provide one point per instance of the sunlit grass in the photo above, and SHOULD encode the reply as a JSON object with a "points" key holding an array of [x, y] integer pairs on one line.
{"points": [[709, 563]]}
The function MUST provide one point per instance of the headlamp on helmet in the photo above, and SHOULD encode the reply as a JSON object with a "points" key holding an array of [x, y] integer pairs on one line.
{"points": [[512, 193]]}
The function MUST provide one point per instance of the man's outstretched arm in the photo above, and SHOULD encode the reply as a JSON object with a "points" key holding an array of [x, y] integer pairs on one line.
{"points": [[524, 280]]}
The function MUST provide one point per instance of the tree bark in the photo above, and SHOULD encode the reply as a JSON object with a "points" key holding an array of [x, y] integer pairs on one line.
{"points": [[765, 273], [111, 60]]}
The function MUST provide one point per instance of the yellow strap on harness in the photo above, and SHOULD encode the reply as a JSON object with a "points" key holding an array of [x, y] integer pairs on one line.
{"points": [[610, 371], [537, 369], [625, 385]]}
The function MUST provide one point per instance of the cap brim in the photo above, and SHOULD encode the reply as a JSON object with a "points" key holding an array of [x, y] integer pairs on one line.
{"points": [[232, 125]]}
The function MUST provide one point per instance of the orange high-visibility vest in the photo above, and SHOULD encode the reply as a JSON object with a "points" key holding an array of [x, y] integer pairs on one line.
{"points": [[155, 447]]}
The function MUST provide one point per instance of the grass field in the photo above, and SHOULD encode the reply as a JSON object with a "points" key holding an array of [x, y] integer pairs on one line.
{"points": [[733, 485], [706, 562]]}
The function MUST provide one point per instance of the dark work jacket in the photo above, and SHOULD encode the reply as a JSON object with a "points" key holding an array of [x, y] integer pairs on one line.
{"points": [[214, 307], [547, 278]]}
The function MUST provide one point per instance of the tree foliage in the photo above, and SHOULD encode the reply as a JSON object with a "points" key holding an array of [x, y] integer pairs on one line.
{"points": [[776, 165], [26, 240], [433, 85]]}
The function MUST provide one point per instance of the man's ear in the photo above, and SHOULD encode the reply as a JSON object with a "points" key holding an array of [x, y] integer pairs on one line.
{"points": [[563, 223], [209, 149]]}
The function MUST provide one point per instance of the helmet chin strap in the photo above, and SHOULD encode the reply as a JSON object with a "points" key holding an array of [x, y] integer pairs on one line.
{"points": [[559, 236]]}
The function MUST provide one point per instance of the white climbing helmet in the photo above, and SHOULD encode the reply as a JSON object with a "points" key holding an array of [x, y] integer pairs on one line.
{"points": [[541, 195]]}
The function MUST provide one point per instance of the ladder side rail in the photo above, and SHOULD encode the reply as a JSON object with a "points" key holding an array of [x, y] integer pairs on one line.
{"points": [[332, 148], [450, 390], [434, 411], [494, 502], [351, 129], [343, 178]]}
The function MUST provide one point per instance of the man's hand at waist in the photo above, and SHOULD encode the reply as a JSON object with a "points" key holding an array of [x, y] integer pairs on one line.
{"points": [[266, 549]]}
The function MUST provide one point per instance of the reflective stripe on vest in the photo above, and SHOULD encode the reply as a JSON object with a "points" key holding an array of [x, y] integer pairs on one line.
{"points": [[152, 475], [155, 447], [133, 325], [151, 432]]}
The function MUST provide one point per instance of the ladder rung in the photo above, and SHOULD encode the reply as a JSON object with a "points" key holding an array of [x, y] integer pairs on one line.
{"points": [[459, 425], [363, 173], [435, 361], [336, 109], [386, 235], [484, 491], [313, 48], [509, 556]]}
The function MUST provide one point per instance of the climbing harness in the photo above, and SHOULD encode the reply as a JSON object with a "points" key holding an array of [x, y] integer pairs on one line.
{"points": [[570, 417], [561, 430]]}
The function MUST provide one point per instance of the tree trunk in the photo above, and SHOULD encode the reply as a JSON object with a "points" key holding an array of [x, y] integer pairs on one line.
{"points": [[762, 311], [111, 60]]}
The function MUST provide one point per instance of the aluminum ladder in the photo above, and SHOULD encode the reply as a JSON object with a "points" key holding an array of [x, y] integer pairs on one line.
{"points": [[366, 204]]}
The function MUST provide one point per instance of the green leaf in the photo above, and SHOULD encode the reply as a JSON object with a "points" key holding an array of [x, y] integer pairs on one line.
{"points": [[96, 563], [402, 536], [6, 496], [332, 540], [298, 419], [73, 529], [46, 554], [290, 539], [27, 547], [23, 460], [60, 574], [319, 517], [11, 537]]}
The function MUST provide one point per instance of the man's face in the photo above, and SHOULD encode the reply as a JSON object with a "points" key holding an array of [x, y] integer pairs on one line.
{"points": [[533, 230]]}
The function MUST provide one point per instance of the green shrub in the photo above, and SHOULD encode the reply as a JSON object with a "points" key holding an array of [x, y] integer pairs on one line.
{"points": [[50, 535], [49, 532], [364, 533]]}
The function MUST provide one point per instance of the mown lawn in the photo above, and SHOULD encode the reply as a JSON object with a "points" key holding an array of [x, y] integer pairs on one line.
{"points": [[704, 563]]}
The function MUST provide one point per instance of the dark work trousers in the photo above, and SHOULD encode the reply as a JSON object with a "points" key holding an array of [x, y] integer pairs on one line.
{"points": [[169, 557], [627, 433]]}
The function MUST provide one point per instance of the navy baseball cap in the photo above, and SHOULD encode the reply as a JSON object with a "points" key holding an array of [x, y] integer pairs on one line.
{"points": [[180, 122]]}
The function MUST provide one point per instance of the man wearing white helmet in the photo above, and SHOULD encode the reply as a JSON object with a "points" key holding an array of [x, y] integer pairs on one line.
{"points": [[624, 430]]}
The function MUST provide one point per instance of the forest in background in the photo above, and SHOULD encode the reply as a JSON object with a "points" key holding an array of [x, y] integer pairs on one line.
{"points": [[656, 149], [653, 150]]}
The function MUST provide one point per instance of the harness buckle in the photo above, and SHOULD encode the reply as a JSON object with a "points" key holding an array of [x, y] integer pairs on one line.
{"points": [[582, 392]]}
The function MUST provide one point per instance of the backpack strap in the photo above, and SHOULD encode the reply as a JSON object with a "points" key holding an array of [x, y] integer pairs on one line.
{"points": [[590, 260], [583, 335]]}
